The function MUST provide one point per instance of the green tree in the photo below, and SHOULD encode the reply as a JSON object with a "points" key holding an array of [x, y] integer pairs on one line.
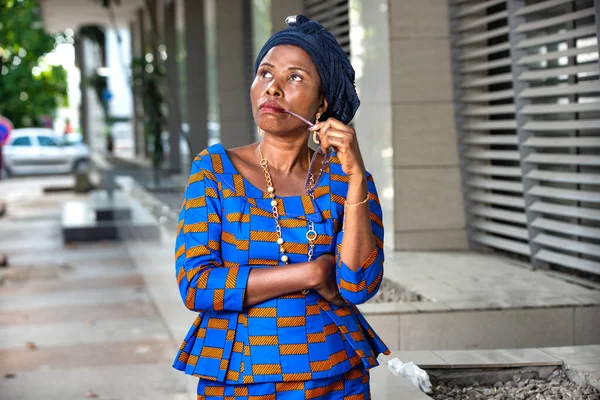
{"points": [[29, 87]]}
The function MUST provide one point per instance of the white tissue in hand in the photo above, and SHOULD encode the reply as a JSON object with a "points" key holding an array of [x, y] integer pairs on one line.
{"points": [[413, 373]]}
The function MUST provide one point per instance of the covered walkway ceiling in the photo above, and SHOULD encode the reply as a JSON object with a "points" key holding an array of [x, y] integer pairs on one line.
{"points": [[59, 15]]}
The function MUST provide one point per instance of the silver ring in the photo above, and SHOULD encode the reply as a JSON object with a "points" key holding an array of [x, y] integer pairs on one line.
{"points": [[311, 235]]}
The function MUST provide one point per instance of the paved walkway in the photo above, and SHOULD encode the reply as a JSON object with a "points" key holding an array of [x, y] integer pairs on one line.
{"points": [[467, 280], [77, 321], [106, 319]]}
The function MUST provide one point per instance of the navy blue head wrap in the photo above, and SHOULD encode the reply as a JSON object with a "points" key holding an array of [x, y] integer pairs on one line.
{"points": [[335, 70]]}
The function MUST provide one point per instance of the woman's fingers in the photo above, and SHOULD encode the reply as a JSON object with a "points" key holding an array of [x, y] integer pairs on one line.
{"points": [[335, 138], [331, 122]]}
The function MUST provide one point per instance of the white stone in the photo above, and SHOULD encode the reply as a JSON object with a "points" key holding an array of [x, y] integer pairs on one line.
{"points": [[284, 258], [280, 241], [274, 203]]}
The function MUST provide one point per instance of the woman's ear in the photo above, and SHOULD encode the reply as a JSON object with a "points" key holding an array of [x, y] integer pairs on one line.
{"points": [[323, 106]]}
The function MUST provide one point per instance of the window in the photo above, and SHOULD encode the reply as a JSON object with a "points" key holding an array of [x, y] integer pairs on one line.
{"points": [[22, 141], [47, 141]]}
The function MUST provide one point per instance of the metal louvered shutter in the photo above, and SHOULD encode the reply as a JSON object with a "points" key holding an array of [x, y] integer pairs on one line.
{"points": [[333, 15], [528, 115]]}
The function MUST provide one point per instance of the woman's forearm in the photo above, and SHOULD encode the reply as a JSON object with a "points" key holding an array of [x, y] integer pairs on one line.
{"points": [[267, 283], [358, 241]]}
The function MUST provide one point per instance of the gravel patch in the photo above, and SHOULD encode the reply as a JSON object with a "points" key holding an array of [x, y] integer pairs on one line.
{"points": [[557, 386], [391, 292]]}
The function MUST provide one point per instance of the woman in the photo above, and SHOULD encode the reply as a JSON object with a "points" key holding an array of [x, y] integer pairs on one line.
{"points": [[274, 254]]}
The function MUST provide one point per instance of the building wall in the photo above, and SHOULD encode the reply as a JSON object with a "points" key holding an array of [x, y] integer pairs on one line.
{"points": [[370, 56], [428, 202]]}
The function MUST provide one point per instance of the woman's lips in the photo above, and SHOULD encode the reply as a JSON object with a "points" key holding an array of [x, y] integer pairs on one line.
{"points": [[271, 108]]}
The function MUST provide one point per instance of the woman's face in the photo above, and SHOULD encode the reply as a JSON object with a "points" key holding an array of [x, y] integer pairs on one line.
{"points": [[286, 79]]}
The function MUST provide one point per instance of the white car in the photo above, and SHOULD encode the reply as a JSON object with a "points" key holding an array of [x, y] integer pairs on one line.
{"points": [[42, 151]]}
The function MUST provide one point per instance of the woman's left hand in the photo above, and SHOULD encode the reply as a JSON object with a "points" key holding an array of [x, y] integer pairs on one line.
{"points": [[333, 133]]}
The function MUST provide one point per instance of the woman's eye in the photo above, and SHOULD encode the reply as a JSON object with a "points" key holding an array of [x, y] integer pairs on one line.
{"points": [[265, 74], [295, 77]]}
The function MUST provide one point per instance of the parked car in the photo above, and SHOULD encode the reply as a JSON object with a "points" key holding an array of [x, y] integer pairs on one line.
{"points": [[42, 151]]}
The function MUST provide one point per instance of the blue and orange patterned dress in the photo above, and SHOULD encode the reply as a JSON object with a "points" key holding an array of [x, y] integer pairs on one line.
{"points": [[295, 346]]}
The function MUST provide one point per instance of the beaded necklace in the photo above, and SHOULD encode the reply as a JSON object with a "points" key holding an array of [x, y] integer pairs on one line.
{"points": [[311, 234]]}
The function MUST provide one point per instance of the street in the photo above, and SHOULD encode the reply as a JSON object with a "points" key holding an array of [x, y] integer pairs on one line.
{"points": [[76, 321]]}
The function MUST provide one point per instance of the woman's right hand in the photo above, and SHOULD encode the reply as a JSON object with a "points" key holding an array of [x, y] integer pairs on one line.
{"points": [[324, 282]]}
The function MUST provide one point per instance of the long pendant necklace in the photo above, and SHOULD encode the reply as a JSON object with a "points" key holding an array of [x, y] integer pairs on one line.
{"points": [[311, 234]]}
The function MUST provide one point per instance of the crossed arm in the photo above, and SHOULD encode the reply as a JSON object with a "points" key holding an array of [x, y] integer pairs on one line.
{"points": [[206, 283]]}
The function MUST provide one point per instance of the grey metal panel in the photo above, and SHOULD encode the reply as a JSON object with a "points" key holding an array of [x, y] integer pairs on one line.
{"points": [[457, 56], [486, 197], [489, 110], [472, 9], [570, 261], [566, 211], [553, 55], [566, 228], [484, 97], [484, 52], [333, 15], [555, 72], [568, 245], [540, 6], [557, 37], [499, 214], [491, 139], [555, 99], [494, 170], [550, 126], [505, 186], [597, 10], [470, 23], [490, 80], [560, 90], [565, 194], [515, 37], [501, 229], [533, 109], [564, 177], [474, 38], [493, 154], [491, 125], [548, 22], [504, 244], [588, 142], [561, 159], [485, 65]]}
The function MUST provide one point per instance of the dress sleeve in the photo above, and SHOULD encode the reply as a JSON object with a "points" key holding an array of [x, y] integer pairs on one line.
{"points": [[359, 286], [205, 284]]}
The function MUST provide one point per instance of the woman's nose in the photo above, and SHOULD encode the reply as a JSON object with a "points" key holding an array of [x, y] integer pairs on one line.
{"points": [[273, 89]]}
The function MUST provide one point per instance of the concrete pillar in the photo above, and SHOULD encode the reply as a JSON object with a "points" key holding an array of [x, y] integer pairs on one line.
{"points": [[142, 39], [82, 63], [370, 57], [196, 74], [234, 61], [174, 117], [136, 52], [281, 9], [428, 210]]}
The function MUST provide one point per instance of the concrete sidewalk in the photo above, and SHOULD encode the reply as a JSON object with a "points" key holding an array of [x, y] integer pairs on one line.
{"points": [[75, 322]]}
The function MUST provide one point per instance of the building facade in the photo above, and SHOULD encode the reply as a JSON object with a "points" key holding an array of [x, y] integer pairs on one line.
{"points": [[480, 119]]}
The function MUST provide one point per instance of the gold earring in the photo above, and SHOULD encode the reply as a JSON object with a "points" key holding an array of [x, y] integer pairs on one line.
{"points": [[315, 137]]}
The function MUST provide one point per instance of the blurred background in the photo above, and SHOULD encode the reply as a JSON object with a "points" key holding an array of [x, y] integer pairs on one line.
{"points": [[479, 119]]}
